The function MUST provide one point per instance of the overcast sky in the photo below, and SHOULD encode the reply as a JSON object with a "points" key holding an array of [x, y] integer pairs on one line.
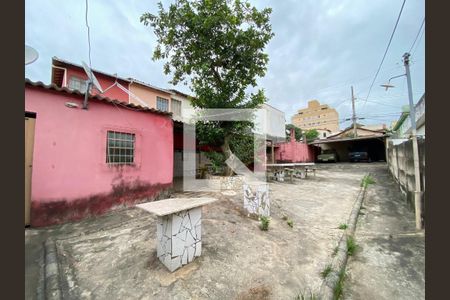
{"points": [[319, 50]]}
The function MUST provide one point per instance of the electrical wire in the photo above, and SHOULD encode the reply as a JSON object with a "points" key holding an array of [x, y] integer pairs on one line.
{"points": [[420, 38], [386, 51], [417, 35], [88, 34]]}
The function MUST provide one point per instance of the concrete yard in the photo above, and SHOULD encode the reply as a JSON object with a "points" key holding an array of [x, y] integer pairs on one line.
{"points": [[114, 256]]}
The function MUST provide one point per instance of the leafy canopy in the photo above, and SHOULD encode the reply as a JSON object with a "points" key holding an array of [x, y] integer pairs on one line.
{"points": [[217, 47], [217, 44]]}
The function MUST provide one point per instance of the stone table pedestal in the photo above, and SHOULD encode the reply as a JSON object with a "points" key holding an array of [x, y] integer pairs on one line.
{"points": [[256, 198], [178, 229]]}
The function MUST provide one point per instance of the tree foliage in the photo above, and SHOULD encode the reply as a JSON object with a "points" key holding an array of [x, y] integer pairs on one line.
{"points": [[217, 47], [298, 132], [311, 134]]}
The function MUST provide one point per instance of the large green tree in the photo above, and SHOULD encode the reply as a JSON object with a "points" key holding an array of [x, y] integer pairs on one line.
{"points": [[217, 48]]}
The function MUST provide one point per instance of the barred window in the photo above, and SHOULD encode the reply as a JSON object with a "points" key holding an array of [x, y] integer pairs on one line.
{"points": [[162, 104], [120, 148], [76, 83], [176, 107]]}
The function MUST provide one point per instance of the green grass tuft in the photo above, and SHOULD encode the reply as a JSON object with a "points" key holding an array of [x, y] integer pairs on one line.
{"points": [[290, 223], [366, 181], [339, 288], [343, 226], [326, 271], [265, 223], [351, 246]]}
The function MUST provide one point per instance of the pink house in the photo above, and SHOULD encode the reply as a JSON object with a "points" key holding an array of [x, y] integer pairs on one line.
{"points": [[294, 151], [87, 162]]}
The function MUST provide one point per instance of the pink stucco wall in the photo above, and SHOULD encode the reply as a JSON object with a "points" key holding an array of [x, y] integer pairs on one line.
{"points": [[294, 151], [105, 82], [69, 168]]}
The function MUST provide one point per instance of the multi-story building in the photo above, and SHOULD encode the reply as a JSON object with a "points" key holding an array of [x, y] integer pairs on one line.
{"points": [[317, 116]]}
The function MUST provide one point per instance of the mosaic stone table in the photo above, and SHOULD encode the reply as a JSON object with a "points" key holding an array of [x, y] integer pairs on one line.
{"points": [[178, 229]]}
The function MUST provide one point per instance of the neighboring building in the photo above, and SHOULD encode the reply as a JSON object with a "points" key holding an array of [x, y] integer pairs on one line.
{"points": [[343, 142], [293, 151], [317, 116], [181, 102], [127, 90], [86, 162], [152, 96], [324, 133], [402, 128], [72, 76]]}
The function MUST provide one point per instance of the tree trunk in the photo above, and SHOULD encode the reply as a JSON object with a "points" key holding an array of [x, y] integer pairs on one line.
{"points": [[227, 152]]}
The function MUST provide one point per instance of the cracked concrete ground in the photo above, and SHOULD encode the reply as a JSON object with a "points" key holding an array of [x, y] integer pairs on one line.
{"points": [[390, 261], [114, 256]]}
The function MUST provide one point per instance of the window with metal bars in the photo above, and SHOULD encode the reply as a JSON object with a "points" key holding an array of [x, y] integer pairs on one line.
{"points": [[162, 104], [120, 148]]}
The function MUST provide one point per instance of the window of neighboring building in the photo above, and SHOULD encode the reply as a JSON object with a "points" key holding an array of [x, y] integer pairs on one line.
{"points": [[176, 107], [76, 83], [120, 148], [162, 104], [324, 134]]}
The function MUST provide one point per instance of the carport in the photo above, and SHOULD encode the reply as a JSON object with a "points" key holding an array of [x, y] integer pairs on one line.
{"points": [[374, 145]]}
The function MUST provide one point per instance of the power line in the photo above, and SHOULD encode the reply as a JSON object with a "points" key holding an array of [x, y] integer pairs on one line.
{"points": [[420, 38], [88, 34], [387, 48], [417, 35]]}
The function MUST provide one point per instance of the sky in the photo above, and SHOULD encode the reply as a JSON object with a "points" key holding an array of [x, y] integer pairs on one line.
{"points": [[320, 49]]}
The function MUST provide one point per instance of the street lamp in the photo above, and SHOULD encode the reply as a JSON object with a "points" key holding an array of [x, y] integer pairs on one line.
{"points": [[412, 117], [389, 85]]}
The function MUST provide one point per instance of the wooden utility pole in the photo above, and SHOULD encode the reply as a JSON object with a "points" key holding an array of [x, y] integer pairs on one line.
{"points": [[355, 134]]}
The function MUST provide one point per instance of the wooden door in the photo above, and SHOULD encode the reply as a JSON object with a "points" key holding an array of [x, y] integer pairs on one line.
{"points": [[29, 143]]}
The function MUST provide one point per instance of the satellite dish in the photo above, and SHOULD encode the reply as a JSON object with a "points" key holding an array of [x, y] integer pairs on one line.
{"points": [[30, 55], [92, 77]]}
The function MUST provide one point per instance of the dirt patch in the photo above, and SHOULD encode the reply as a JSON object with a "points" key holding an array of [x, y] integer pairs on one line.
{"points": [[261, 292]]}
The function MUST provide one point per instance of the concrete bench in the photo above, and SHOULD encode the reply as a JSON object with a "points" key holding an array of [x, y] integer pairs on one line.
{"points": [[178, 229]]}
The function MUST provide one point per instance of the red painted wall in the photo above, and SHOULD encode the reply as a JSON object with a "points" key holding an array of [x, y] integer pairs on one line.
{"points": [[70, 177], [294, 151], [105, 82]]}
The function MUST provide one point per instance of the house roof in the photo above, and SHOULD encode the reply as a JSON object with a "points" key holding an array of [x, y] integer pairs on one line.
{"points": [[54, 87], [180, 93], [359, 127], [326, 141], [133, 80], [60, 61]]}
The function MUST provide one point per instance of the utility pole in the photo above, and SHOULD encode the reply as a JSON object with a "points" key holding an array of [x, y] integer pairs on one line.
{"points": [[354, 116], [412, 116]]}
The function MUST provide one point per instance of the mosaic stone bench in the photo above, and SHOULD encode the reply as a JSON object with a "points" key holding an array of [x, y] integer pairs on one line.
{"points": [[256, 198], [178, 229]]}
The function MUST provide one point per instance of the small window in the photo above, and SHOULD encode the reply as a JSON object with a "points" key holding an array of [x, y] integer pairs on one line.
{"points": [[76, 83], [324, 134], [162, 104], [120, 148], [176, 107]]}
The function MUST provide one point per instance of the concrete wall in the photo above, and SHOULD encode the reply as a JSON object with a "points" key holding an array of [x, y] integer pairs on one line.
{"points": [[401, 166], [71, 178], [293, 151]]}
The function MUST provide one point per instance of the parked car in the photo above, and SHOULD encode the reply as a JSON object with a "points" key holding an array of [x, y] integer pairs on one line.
{"points": [[328, 155], [358, 156]]}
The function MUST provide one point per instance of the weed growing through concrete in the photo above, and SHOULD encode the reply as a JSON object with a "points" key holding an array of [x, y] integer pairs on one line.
{"points": [[304, 296], [265, 223], [366, 181], [335, 250], [343, 226], [326, 271], [351, 246], [339, 288], [290, 223]]}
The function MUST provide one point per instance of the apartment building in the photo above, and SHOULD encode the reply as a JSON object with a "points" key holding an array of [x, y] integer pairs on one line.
{"points": [[317, 116]]}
